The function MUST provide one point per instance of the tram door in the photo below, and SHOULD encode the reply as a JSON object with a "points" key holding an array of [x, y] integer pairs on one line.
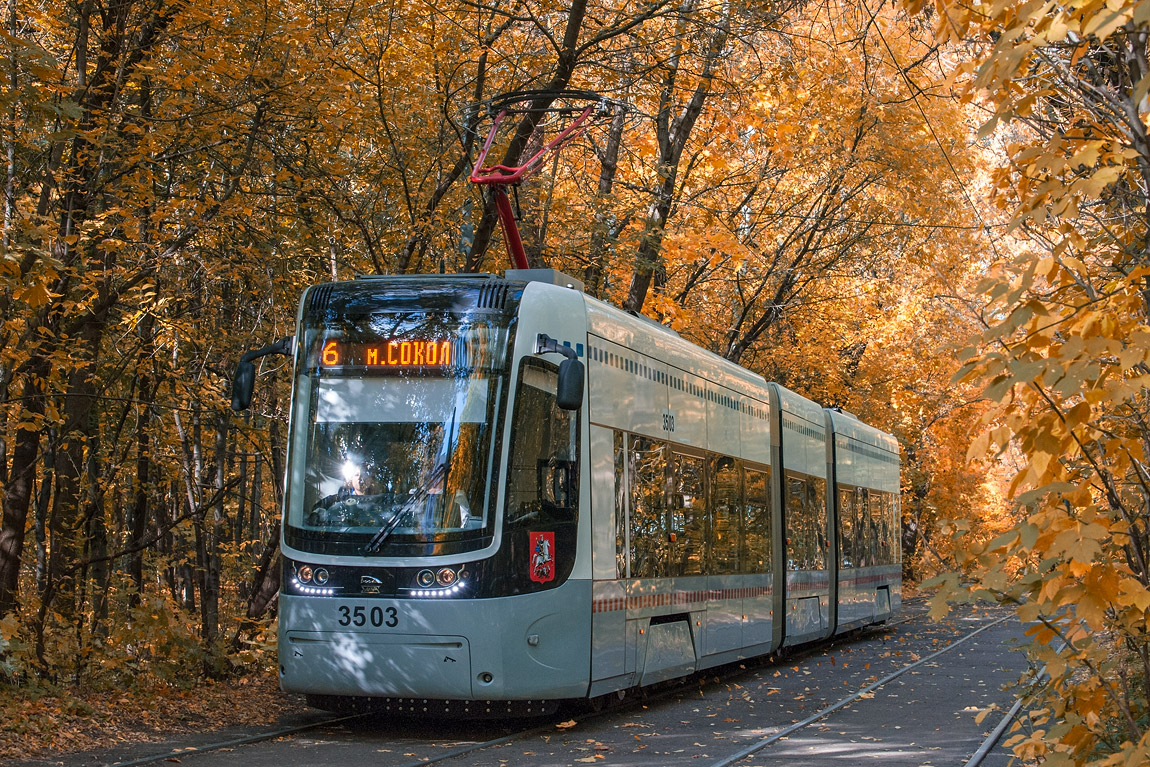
{"points": [[807, 553], [612, 654]]}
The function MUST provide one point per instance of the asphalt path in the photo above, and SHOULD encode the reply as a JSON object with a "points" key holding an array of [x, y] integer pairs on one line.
{"points": [[923, 717]]}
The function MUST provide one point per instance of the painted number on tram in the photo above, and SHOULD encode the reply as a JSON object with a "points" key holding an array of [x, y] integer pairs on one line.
{"points": [[375, 616]]}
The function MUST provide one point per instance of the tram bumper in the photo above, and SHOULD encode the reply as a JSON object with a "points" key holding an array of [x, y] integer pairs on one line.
{"points": [[389, 665], [523, 647]]}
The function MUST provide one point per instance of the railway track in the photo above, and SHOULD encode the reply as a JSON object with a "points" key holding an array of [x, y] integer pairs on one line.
{"points": [[413, 744]]}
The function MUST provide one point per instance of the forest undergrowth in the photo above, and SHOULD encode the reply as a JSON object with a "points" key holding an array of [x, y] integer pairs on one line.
{"points": [[37, 722]]}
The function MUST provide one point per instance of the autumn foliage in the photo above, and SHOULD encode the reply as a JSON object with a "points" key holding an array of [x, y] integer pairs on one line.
{"points": [[786, 184], [1063, 359]]}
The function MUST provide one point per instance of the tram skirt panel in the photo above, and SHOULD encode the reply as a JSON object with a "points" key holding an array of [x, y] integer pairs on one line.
{"points": [[670, 652]]}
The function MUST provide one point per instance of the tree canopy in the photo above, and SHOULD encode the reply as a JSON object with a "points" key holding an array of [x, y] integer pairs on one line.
{"points": [[840, 197]]}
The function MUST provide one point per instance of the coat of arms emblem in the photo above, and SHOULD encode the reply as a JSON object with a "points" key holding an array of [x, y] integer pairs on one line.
{"points": [[542, 557]]}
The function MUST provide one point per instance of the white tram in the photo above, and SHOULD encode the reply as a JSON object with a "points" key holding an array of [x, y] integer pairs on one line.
{"points": [[452, 533]]}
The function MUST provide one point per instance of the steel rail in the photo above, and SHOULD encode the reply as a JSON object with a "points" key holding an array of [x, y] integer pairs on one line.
{"points": [[995, 735], [642, 698], [463, 751], [258, 737], [285, 731], [764, 742]]}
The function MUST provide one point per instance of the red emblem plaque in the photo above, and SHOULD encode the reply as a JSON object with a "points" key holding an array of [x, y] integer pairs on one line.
{"points": [[542, 557]]}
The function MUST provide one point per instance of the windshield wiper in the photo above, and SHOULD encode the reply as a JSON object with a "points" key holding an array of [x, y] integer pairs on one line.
{"points": [[438, 475], [409, 506]]}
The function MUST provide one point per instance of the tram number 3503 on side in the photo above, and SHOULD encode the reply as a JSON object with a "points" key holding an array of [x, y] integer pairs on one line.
{"points": [[359, 616], [668, 421]]}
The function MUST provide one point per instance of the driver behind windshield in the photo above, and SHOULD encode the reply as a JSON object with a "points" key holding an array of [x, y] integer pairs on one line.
{"points": [[361, 502], [353, 504]]}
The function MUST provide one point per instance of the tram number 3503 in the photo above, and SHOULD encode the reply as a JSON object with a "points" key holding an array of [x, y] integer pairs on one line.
{"points": [[360, 616], [668, 420]]}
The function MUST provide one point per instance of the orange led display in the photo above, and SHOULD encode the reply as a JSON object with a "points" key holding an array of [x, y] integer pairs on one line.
{"points": [[397, 353]]}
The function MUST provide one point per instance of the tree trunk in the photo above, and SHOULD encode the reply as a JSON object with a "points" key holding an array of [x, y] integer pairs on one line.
{"points": [[420, 237], [18, 490], [601, 234], [210, 592], [672, 135], [138, 523], [240, 533], [97, 542], [264, 588], [256, 512], [563, 71]]}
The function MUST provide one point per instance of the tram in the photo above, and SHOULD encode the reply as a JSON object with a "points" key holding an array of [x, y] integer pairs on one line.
{"points": [[502, 493]]}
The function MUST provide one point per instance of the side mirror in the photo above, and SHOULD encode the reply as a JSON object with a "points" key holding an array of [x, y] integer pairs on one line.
{"points": [[244, 381], [569, 391], [242, 384], [569, 388]]}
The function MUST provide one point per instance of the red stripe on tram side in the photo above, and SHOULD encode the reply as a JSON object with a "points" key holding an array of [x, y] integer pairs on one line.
{"points": [[678, 598], [870, 579]]}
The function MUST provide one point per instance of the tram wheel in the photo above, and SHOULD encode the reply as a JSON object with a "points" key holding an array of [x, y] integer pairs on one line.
{"points": [[606, 701]]}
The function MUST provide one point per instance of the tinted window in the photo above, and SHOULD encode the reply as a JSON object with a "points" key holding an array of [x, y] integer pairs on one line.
{"points": [[647, 470], [757, 529], [817, 513], [689, 514], [620, 506], [797, 525], [542, 468], [806, 521], [728, 511], [847, 525]]}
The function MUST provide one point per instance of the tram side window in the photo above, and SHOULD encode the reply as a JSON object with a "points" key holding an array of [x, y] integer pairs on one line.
{"points": [[886, 528], [817, 513], [796, 524], [727, 506], [620, 506], [647, 468], [756, 557], [806, 523], [865, 545], [896, 527], [542, 470], [847, 528], [874, 504], [688, 514]]}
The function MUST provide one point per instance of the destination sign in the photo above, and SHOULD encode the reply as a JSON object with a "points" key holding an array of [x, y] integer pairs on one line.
{"points": [[406, 353]]}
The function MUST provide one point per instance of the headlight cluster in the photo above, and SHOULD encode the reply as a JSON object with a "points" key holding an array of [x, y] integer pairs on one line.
{"points": [[312, 580], [442, 583]]}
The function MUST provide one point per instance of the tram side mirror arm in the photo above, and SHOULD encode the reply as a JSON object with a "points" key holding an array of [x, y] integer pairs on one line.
{"points": [[243, 382], [569, 390]]}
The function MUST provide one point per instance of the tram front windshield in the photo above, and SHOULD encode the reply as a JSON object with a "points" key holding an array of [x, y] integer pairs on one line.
{"points": [[393, 424]]}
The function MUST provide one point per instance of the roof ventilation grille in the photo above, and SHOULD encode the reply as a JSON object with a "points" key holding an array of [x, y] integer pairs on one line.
{"points": [[493, 295], [321, 297]]}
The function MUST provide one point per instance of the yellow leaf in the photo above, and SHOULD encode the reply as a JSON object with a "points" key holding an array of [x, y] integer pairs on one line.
{"points": [[1133, 593], [35, 295]]}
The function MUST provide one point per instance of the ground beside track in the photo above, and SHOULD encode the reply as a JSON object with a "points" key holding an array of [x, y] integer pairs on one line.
{"points": [[925, 717]]}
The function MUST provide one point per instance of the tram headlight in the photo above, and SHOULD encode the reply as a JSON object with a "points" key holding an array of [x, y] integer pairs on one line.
{"points": [[321, 575], [304, 573], [425, 578], [446, 576]]}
